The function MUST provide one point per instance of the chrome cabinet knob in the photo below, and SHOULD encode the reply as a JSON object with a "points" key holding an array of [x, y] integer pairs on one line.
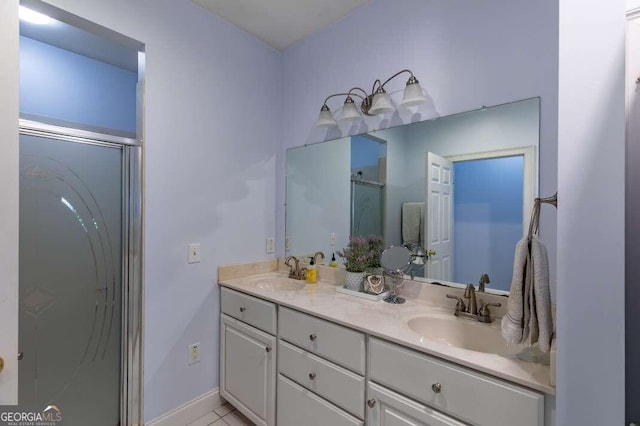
{"points": [[268, 349], [242, 309], [436, 387], [313, 337], [371, 403], [312, 376]]}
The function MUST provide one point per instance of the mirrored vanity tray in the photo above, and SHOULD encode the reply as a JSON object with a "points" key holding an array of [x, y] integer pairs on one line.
{"points": [[362, 295]]}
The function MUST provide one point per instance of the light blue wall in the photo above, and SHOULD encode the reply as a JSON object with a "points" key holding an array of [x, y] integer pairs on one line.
{"points": [[487, 208], [59, 84]]}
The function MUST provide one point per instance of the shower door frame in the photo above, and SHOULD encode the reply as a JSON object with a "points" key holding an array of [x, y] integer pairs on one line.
{"points": [[132, 338]]}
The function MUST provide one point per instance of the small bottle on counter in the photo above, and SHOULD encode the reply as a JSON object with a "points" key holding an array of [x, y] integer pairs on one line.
{"points": [[312, 272], [333, 263]]}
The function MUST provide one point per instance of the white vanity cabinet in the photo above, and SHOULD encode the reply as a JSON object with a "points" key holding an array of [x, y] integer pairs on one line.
{"points": [[385, 408], [321, 372], [327, 373], [248, 356], [467, 395]]}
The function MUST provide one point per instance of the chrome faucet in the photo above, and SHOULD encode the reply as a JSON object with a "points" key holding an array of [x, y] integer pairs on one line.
{"points": [[470, 293], [294, 270], [484, 279], [318, 253], [471, 310]]}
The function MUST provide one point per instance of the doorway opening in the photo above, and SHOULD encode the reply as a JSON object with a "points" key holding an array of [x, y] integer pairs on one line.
{"points": [[80, 282]]}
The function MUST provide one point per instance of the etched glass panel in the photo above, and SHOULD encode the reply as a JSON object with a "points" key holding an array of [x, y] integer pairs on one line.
{"points": [[70, 279]]}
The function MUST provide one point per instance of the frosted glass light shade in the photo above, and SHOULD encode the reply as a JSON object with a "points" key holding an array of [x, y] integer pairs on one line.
{"points": [[325, 119], [413, 95], [350, 112], [381, 104]]}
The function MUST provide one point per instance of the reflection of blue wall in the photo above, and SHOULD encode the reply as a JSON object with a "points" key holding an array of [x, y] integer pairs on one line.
{"points": [[59, 84], [364, 152], [487, 218]]}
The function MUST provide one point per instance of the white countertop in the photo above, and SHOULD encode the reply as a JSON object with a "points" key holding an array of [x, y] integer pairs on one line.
{"points": [[389, 322]]}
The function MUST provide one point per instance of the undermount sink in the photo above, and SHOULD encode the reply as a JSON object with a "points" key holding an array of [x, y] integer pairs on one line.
{"points": [[462, 333], [277, 283]]}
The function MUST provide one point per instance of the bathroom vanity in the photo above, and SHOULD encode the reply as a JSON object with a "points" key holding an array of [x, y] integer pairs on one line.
{"points": [[301, 354]]}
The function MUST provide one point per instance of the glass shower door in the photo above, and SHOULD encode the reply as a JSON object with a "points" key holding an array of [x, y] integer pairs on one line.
{"points": [[71, 234], [367, 208]]}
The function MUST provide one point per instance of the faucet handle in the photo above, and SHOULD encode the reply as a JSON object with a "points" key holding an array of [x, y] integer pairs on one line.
{"points": [[484, 315], [460, 306]]}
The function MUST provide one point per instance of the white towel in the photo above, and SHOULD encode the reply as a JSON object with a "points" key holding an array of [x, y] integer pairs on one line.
{"points": [[412, 219], [528, 319]]}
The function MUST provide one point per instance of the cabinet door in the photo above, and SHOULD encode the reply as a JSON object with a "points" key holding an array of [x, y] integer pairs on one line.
{"points": [[248, 370], [387, 408], [298, 406]]}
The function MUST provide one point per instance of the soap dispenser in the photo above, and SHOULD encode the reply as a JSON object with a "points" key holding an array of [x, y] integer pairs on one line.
{"points": [[312, 272], [333, 263]]}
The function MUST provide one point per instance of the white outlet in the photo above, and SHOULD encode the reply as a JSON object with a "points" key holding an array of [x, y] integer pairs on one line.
{"points": [[194, 253], [194, 353], [287, 243], [271, 245], [332, 239]]}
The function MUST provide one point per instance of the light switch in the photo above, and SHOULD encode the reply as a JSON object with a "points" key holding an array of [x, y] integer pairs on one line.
{"points": [[271, 245], [332, 239], [194, 253]]}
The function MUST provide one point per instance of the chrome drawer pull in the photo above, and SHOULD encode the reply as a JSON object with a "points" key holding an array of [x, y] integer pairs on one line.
{"points": [[371, 403], [242, 309], [313, 337], [436, 387], [312, 376]]}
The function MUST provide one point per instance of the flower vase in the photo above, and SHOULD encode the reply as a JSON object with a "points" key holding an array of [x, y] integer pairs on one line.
{"points": [[353, 281]]}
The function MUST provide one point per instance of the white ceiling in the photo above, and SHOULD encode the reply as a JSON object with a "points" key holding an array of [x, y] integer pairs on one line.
{"points": [[281, 23]]}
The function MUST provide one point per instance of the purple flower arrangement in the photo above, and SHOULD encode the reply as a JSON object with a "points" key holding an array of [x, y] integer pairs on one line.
{"points": [[362, 253]]}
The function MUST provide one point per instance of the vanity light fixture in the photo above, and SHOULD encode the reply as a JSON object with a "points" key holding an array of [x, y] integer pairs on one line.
{"points": [[378, 102]]}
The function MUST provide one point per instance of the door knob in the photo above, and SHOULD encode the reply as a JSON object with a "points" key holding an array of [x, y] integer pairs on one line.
{"points": [[431, 253]]}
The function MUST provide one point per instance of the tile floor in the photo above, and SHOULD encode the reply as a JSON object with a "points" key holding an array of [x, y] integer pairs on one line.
{"points": [[223, 416]]}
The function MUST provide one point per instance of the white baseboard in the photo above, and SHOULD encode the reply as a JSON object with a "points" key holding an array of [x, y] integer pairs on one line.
{"points": [[190, 411]]}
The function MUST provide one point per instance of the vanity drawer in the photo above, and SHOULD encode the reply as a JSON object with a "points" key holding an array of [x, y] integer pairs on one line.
{"points": [[298, 406], [334, 342], [248, 309], [334, 383], [472, 397]]}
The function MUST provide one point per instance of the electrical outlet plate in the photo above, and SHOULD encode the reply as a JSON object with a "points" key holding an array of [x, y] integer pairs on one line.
{"points": [[332, 239], [194, 353], [287, 243], [194, 253], [271, 245]]}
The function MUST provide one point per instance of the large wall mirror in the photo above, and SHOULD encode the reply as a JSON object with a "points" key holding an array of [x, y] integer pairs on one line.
{"points": [[460, 187]]}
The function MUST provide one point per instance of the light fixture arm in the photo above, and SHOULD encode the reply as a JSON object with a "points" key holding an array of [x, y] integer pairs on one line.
{"points": [[394, 76], [358, 88], [343, 94]]}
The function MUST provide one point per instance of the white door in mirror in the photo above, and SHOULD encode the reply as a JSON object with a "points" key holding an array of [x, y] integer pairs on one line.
{"points": [[438, 226]]}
